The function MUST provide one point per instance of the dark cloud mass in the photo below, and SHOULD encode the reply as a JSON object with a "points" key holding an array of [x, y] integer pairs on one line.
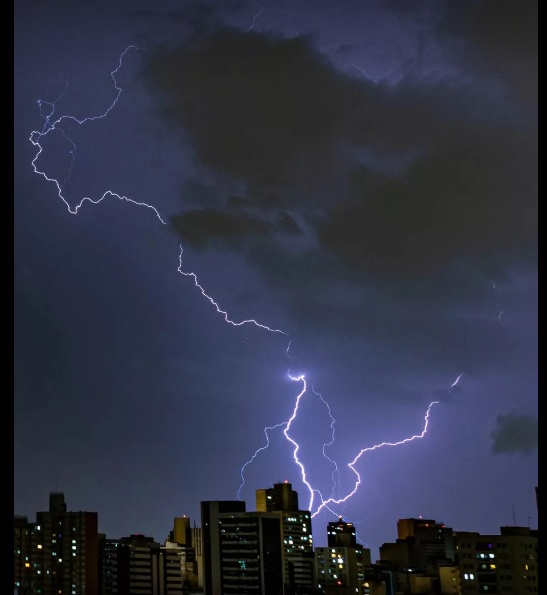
{"points": [[252, 104], [446, 190], [515, 434], [470, 201], [500, 41], [198, 227]]}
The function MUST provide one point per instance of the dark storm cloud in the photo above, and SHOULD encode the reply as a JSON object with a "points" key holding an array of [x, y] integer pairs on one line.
{"points": [[252, 104], [469, 202], [423, 185], [514, 433], [500, 39], [201, 227]]}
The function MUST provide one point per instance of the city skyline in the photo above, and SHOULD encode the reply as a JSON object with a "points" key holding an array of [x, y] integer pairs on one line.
{"points": [[310, 233]]}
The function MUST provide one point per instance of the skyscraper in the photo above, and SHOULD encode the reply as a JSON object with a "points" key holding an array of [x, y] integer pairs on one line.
{"points": [[242, 551], [298, 556], [22, 552], [210, 511], [340, 567], [341, 534], [64, 549]]}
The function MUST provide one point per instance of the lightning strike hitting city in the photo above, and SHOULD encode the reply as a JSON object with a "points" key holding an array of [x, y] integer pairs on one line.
{"points": [[267, 243], [52, 126]]}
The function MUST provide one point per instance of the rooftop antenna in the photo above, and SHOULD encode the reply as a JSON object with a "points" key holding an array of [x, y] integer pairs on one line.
{"points": [[528, 517]]}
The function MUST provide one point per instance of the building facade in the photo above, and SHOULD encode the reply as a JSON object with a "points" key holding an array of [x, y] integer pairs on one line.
{"points": [[59, 552], [297, 539], [210, 519], [505, 564]]}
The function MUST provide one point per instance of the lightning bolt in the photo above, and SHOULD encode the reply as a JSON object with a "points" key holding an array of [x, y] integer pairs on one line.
{"points": [[263, 8], [47, 111], [367, 76], [370, 449], [217, 307], [336, 473]]}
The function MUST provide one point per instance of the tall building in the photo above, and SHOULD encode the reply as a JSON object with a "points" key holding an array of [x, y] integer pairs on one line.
{"points": [[197, 544], [59, 552], [210, 518], [251, 553], [138, 565], [108, 565], [422, 545], [181, 532], [340, 570], [22, 552], [340, 567], [341, 534], [181, 542], [280, 497], [298, 555], [505, 563], [242, 550]]}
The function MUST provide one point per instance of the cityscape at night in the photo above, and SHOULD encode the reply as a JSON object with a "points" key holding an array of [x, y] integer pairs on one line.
{"points": [[277, 244]]}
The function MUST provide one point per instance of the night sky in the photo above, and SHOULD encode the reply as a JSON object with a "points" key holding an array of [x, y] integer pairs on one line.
{"points": [[355, 179]]}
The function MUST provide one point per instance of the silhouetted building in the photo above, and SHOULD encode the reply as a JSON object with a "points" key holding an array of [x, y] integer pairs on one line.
{"points": [[59, 552], [341, 534], [22, 553], [505, 563], [421, 545], [138, 565], [243, 551], [197, 544], [180, 542], [298, 556], [108, 564], [210, 519], [340, 567], [181, 532], [280, 497], [422, 548], [340, 570]]}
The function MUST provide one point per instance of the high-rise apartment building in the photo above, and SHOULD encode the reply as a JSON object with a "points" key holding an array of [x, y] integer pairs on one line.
{"points": [[341, 534], [210, 519], [503, 564], [296, 526], [59, 552], [138, 565], [22, 552], [197, 544], [340, 570], [340, 567], [184, 542], [422, 545], [242, 550]]}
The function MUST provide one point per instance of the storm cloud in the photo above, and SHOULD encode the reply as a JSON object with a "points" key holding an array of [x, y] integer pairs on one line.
{"points": [[515, 434]]}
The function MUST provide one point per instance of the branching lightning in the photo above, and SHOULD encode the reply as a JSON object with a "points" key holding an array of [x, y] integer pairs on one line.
{"points": [[49, 127], [370, 449], [336, 473], [56, 125]]}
